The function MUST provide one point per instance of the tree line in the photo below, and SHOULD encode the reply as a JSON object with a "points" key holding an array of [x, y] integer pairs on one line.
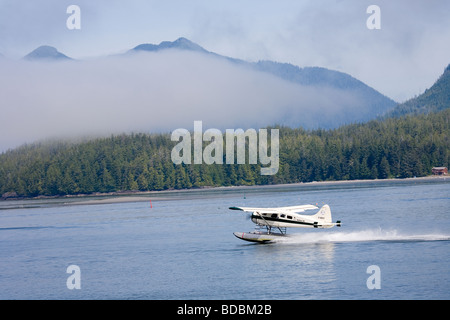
{"points": [[391, 148]]}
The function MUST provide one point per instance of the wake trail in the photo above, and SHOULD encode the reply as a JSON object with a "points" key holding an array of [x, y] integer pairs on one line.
{"points": [[362, 236]]}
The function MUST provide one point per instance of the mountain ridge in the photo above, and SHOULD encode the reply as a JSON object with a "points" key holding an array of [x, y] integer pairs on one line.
{"points": [[373, 104], [308, 76], [46, 53], [180, 43], [377, 103]]}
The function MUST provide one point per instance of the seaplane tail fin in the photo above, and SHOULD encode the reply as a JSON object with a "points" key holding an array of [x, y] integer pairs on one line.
{"points": [[324, 214]]}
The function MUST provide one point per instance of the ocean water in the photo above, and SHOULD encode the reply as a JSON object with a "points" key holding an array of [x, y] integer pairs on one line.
{"points": [[182, 246]]}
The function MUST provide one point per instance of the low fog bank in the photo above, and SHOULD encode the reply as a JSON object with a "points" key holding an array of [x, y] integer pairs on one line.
{"points": [[154, 92]]}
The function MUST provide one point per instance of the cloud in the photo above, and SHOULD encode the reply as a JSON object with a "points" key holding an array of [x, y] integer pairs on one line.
{"points": [[401, 60]]}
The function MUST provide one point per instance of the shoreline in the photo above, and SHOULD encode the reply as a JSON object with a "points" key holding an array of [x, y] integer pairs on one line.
{"points": [[143, 196]]}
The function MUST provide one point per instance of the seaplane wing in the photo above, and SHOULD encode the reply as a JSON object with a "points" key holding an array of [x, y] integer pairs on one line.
{"points": [[281, 218], [292, 209]]}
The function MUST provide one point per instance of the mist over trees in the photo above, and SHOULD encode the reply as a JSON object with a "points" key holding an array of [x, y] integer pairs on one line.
{"points": [[391, 148], [170, 85]]}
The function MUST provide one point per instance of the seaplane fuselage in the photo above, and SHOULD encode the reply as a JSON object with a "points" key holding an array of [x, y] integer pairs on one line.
{"points": [[285, 217], [282, 218]]}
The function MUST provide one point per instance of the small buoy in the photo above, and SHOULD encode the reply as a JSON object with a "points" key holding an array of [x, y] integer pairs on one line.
{"points": [[151, 206]]}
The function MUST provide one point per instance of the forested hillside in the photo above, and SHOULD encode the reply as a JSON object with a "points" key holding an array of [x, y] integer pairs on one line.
{"points": [[395, 147], [434, 99]]}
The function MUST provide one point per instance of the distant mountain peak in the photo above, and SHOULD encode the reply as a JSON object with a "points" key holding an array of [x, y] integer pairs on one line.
{"points": [[180, 43], [184, 43], [46, 53]]}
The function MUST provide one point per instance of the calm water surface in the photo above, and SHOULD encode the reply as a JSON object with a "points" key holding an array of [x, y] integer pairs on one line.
{"points": [[183, 247]]}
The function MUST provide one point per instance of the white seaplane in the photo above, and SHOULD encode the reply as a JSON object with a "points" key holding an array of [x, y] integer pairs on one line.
{"points": [[281, 218]]}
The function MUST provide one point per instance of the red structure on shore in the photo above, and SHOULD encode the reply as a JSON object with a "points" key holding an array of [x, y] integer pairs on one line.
{"points": [[439, 171]]}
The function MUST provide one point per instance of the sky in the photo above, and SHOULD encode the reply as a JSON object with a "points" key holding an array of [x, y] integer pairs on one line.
{"points": [[401, 59]]}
